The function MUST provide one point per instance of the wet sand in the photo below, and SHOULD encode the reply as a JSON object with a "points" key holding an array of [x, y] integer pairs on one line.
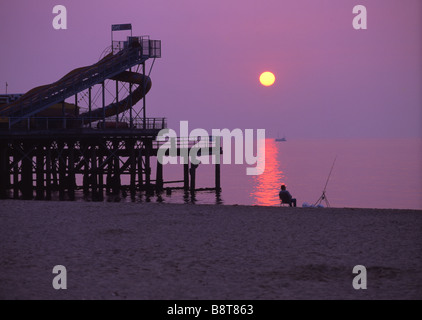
{"points": [[184, 251]]}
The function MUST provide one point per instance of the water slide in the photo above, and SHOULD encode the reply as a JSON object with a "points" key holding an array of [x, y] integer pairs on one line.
{"points": [[46, 100], [144, 83]]}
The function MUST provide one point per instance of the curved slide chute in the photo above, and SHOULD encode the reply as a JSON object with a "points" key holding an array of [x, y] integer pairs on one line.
{"points": [[112, 109], [34, 92]]}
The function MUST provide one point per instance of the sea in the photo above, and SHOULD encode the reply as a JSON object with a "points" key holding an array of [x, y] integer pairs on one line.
{"points": [[342, 173], [354, 173]]}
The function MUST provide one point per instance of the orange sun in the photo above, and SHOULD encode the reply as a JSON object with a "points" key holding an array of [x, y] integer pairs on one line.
{"points": [[267, 78]]}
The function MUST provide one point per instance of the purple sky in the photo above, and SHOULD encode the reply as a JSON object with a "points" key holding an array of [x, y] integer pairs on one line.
{"points": [[332, 80]]}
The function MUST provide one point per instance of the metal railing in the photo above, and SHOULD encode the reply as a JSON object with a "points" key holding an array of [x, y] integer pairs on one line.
{"points": [[150, 48], [50, 123], [148, 123], [186, 142]]}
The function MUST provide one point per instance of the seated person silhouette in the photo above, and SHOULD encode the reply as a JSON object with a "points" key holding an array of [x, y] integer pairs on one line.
{"points": [[286, 197]]}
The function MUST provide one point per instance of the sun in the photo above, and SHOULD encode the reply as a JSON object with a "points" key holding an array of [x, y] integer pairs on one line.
{"points": [[267, 78]]}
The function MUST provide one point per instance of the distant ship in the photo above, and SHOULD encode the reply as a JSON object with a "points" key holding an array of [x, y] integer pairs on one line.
{"points": [[280, 139]]}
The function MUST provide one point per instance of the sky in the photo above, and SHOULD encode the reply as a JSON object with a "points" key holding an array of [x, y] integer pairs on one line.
{"points": [[332, 81]]}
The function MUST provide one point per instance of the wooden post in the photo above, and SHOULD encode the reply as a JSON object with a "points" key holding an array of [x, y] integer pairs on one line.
{"points": [[217, 177], [71, 171], [116, 176], [148, 151], [26, 175], [62, 170], [85, 179], [93, 177], [16, 175], [131, 145], [100, 179], [193, 177], [4, 170], [140, 169], [186, 176], [54, 170], [48, 171], [109, 177], [159, 177], [40, 173]]}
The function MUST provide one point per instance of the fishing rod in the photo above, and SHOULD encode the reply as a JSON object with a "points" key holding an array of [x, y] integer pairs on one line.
{"points": [[323, 196]]}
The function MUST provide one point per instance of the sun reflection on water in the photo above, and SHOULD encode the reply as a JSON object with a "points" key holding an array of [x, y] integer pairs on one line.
{"points": [[267, 185]]}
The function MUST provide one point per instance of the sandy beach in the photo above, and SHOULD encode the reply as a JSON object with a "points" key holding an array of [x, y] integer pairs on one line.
{"points": [[182, 251]]}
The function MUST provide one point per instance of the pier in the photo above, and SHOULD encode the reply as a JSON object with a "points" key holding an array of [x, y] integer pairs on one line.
{"points": [[82, 132]]}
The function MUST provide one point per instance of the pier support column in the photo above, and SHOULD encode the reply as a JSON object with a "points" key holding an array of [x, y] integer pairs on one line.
{"points": [[109, 174], [193, 177], [39, 194], [217, 178], [186, 176], [4, 170], [109, 179], [62, 169], [159, 177], [148, 153], [85, 179], [71, 178], [48, 171], [185, 172], [54, 165], [140, 169], [26, 175], [116, 167], [93, 177], [15, 174], [131, 145], [100, 179]]}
